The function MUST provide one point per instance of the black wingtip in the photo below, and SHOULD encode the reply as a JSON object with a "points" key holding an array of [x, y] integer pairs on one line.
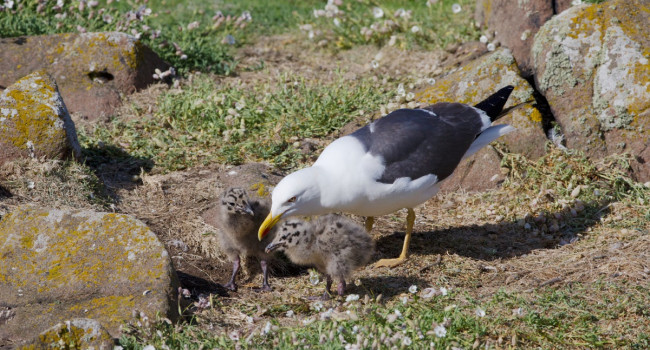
{"points": [[494, 104]]}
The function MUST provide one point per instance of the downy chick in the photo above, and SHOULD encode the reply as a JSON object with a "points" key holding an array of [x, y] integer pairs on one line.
{"points": [[334, 245], [239, 219]]}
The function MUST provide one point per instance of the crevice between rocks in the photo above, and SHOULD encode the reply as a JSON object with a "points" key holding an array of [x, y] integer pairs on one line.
{"points": [[551, 127]]}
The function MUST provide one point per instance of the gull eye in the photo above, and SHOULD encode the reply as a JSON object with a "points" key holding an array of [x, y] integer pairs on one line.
{"points": [[292, 199]]}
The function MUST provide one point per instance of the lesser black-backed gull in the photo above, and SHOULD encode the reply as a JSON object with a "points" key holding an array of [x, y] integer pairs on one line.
{"points": [[395, 162]]}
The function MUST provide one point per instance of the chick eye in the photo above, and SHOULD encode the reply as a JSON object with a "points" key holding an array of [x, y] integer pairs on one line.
{"points": [[291, 200]]}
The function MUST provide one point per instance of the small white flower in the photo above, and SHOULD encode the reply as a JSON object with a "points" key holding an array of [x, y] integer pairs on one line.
{"points": [[440, 331], [377, 12], [290, 313], [239, 105], [428, 293], [410, 97], [352, 297], [431, 81], [193, 25], [483, 39], [313, 277], [405, 300], [267, 328], [317, 305], [413, 289], [393, 40], [337, 22], [455, 8], [398, 313], [480, 312], [443, 291], [431, 2], [9, 4], [400, 90], [374, 64], [311, 34], [59, 3], [491, 47], [415, 29], [406, 341]]}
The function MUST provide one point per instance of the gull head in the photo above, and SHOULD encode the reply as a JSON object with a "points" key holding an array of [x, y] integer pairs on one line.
{"points": [[298, 194]]}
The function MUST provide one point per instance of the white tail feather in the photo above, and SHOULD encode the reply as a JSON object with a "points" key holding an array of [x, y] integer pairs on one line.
{"points": [[490, 134]]}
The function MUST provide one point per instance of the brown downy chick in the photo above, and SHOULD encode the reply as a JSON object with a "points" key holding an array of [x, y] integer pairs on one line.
{"points": [[239, 219], [334, 245]]}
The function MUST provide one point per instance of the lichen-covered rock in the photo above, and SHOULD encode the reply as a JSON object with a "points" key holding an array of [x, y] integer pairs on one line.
{"points": [[471, 84], [593, 66], [514, 24], [34, 121], [92, 69], [78, 333], [61, 264]]}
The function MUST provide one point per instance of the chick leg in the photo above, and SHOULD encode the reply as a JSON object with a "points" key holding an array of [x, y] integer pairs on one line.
{"points": [[370, 220], [235, 268], [341, 287], [265, 273], [410, 219]]}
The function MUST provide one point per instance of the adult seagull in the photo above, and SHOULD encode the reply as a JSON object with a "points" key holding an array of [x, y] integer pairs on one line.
{"points": [[395, 162]]}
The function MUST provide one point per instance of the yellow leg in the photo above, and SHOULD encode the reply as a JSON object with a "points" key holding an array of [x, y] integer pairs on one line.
{"points": [[410, 219], [370, 220]]}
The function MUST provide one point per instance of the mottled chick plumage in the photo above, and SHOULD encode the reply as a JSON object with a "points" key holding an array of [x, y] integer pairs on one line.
{"points": [[237, 224], [333, 244]]}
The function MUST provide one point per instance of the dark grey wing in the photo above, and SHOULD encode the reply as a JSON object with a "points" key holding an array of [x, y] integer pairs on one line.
{"points": [[416, 142]]}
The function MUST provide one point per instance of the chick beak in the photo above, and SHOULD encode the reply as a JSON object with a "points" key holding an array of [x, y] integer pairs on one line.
{"points": [[266, 226], [273, 246], [249, 210]]}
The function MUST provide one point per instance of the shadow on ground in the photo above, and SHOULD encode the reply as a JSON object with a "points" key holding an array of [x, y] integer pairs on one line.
{"points": [[116, 168], [494, 241]]}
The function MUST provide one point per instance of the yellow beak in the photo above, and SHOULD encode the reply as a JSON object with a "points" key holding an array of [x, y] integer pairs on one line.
{"points": [[266, 226]]}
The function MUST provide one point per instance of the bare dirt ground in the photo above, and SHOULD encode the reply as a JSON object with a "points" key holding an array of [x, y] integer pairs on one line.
{"points": [[471, 241]]}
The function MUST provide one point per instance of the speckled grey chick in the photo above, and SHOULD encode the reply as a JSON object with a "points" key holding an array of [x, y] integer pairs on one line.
{"points": [[334, 245], [239, 220]]}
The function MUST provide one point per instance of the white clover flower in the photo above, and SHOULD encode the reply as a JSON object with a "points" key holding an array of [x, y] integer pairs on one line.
{"points": [[400, 90], [443, 291], [431, 81], [246, 15], [491, 47], [415, 29], [352, 297], [337, 22], [377, 12], [59, 3], [483, 39], [413, 289], [193, 25], [374, 64], [290, 313], [455, 8], [440, 331], [406, 341], [480, 312], [318, 305], [313, 277], [9, 4]]}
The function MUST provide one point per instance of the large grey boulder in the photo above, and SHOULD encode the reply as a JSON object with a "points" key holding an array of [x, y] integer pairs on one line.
{"points": [[60, 264], [92, 69], [592, 65], [34, 121], [471, 84]]}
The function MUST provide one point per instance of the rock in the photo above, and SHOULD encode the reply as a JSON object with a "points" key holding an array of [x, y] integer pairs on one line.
{"points": [[514, 24], [591, 64], [480, 172], [34, 121], [78, 333], [92, 69], [476, 81], [58, 264]]}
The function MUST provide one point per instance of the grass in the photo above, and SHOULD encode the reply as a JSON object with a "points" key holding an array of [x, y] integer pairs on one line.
{"points": [[577, 316], [209, 122]]}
